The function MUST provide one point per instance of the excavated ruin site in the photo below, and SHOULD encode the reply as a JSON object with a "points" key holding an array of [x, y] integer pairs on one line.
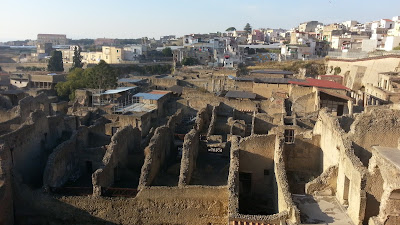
{"points": [[210, 149]]}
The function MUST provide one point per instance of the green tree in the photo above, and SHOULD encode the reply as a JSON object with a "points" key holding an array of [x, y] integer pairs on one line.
{"points": [[55, 63], [77, 59], [337, 70], [247, 28], [230, 29], [76, 79], [102, 76], [189, 61], [167, 52]]}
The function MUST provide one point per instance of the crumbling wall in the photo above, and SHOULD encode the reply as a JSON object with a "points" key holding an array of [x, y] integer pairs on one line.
{"points": [[28, 147], [303, 162], [324, 184], [213, 121], [285, 201], [175, 119], [62, 162], [305, 104], [337, 150], [124, 141], [190, 152], [332, 135], [6, 191], [374, 128], [141, 121], [152, 205], [351, 185], [256, 155], [203, 119], [263, 123], [384, 185], [303, 154], [155, 154], [287, 210]]}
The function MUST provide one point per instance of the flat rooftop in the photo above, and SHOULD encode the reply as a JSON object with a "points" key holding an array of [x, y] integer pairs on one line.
{"points": [[390, 154], [137, 107]]}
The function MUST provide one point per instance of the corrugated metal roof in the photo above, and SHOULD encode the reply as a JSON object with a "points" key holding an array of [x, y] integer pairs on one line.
{"points": [[129, 80], [149, 96], [240, 94], [320, 83], [118, 90]]}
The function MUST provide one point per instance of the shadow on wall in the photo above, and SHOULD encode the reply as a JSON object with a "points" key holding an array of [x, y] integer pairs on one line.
{"points": [[257, 193], [49, 210], [363, 154]]}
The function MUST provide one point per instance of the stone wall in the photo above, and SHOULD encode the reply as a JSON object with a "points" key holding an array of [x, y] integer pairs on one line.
{"points": [[6, 191], [263, 123], [384, 185], [331, 142], [305, 104], [256, 155], [337, 150], [123, 142], [152, 205], [190, 152], [324, 184], [62, 162], [287, 210], [303, 154], [376, 127], [155, 154], [285, 201], [140, 121]]}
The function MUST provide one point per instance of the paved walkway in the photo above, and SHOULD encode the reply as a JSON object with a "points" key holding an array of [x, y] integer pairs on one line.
{"points": [[321, 210]]}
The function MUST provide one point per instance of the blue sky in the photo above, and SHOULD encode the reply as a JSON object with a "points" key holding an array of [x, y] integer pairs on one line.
{"points": [[24, 19]]}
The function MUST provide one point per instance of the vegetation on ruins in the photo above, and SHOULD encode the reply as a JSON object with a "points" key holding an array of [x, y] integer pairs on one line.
{"points": [[231, 29], [102, 76], [189, 61], [337, 70], [77, 59], [55, 63], [396, 48], [313, 67], [167, 52], [247, 28], [242, 69], [30, 68], [147, 69]]}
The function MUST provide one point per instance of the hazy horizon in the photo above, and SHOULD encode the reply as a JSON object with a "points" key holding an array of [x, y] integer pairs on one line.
{"points": [[153, 18]]}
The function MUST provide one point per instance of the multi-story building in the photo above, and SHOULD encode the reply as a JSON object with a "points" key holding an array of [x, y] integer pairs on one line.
{"points": [[55, 39], [309, 26], [133, 52]]}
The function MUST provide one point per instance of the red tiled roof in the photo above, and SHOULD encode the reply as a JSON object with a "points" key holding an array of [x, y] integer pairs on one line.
{"points": [[388, 20], [332, 93], [310, 82]]}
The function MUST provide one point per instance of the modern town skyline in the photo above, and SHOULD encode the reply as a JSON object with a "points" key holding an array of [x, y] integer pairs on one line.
{"points": [[154, 18]]}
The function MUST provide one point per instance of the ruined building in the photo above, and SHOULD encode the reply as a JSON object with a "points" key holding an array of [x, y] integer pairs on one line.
{"points": [[273, 151]]}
